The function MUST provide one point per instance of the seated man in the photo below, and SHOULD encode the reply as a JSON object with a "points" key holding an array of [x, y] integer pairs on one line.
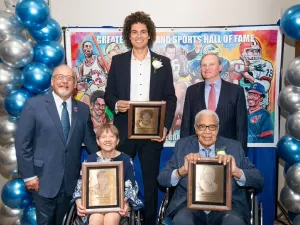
{"points": [[206, 143]]}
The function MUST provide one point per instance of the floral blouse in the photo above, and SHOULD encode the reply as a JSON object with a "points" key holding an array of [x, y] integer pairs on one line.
{"points": [[130, 184]]}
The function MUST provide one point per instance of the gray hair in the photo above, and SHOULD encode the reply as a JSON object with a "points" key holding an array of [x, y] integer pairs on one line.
{"points": [[211, 53], [208, 113]]}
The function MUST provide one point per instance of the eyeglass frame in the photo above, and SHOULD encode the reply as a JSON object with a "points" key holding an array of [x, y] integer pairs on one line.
{"points": [[207, 126], [62, 77]]}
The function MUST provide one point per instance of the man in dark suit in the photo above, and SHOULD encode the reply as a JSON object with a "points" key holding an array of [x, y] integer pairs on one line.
{"points": [[226, 99], [141, 75], [49, 136], [207, 143]]}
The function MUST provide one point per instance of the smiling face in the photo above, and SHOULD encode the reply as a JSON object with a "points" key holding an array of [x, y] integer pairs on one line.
{"points": [[139, 36], [107, 141], [254, 99], [98, 107], [210, 67], [206, 137], [63, 81]]}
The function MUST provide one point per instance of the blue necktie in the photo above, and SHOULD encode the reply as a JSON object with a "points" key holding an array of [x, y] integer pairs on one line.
{"points": [[207, 151], [65, 121]]}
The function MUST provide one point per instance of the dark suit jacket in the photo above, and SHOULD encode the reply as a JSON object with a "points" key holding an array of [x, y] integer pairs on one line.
{"points": [[231, 109], [118, 88], [41, 149], [190, 144]]}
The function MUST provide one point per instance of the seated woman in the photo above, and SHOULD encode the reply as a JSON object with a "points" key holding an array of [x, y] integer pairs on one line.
{"points": [[108, 138]]}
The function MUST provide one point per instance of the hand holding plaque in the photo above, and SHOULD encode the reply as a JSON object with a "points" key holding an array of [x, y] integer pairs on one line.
{"points": [[146, 120]]}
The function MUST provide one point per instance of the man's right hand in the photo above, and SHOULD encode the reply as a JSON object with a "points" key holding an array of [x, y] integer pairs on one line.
{"points": [[80, 209], [123, 106], [192, 157], [33, 184]]}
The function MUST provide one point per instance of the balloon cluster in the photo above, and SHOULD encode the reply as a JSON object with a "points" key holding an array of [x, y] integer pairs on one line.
{"points": [[29, 51], [288, 147]]}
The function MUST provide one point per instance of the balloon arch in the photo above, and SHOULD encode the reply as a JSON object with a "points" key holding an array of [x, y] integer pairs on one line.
{"points": [[29, 50]]}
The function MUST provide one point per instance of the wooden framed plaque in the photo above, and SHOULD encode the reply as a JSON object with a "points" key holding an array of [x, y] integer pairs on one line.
{"points": [[209, 185], [102, 186], [146, 120]]}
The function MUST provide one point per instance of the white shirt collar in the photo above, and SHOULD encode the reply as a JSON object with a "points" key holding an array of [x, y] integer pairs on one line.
{"points": [[58, 101], [147, 56]]}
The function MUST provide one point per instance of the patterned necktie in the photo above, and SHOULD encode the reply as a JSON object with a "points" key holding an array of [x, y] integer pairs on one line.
{"points": [[207, 151], [65, 121], [212, 98]]}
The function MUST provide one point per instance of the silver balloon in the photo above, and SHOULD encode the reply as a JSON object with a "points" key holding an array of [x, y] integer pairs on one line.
{"points": [[9, 25], [16, 51], [293, 72], [8, 159], [289, 99], [293, 125], [292, 178], [7, 130], [9, 216], [10, 78], [290, 200], [2, 109]]}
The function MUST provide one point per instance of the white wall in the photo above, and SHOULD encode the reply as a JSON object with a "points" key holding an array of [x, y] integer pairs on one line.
{"points": [[175, 13]]}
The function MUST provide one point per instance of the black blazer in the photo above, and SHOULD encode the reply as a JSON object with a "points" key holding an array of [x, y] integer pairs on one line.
{"points": [[40, 147], [118, 88], [231, 109]]}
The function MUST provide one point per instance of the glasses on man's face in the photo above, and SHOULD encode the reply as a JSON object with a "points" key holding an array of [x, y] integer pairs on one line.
{"points": [[135, 33], [209, 65], [62, 77], [251, 94], [211, 127]]}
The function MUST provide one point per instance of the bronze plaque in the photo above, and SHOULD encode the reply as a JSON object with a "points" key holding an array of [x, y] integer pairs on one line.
{"points": [[146, 120], [209, 185], [102, 186]]}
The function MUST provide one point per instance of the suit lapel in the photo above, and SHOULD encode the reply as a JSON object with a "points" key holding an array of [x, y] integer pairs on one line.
{"points": [[152, 78], [74, 118], [194, 148], [201, 93], [51, 107], [127, 73], [223, 98], [220, 144]]}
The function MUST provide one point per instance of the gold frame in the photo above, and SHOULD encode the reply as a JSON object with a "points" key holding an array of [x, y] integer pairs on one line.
{"points": [[90, 194], [215, 199], [156, 128]]}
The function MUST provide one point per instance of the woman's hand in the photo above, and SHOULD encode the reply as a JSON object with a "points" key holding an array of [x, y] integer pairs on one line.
{"points": [[80, 208], [124, 212]]}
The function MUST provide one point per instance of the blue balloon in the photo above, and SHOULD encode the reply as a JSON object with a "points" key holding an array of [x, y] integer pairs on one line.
{"points": [[288, 148], [14, 194], [15, 101], [51, 32], [37, 77], [29, 215], [33, 14], [290, 22], [50, 53]]}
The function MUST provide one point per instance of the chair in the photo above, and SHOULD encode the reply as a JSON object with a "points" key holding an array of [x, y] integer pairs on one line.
{"points": [[71, 217], [255, 208]]}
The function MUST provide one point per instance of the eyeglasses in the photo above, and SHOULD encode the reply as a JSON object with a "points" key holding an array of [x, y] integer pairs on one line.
{"points": [[251, 94], [211, 127], [208, 65], [62, 77]]}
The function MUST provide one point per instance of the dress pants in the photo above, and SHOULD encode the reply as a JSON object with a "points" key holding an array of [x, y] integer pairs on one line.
{"points": [[149, 156], [185, 216], [51, 211]]}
